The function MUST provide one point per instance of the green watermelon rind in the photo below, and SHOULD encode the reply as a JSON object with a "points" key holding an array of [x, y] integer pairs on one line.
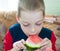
{"points": [[31, 44], [33, 48]]}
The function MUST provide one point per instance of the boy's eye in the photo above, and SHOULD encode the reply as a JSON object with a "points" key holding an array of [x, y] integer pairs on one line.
{"points": [[38, 24], [25, 25]]}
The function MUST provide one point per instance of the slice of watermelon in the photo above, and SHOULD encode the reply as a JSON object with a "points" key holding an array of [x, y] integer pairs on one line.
{"points": [[33, 42]]}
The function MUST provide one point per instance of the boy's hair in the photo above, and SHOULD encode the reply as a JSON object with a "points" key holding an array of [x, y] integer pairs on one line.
{"points": [[31, 5]]}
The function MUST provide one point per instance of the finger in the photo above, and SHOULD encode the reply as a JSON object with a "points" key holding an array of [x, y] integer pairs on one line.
{"points": [[19, 45], [16, 46], [48, 43], [44, 40], [23, 46], [44, 47], [23, 41], [48, 48], [45, 43]]}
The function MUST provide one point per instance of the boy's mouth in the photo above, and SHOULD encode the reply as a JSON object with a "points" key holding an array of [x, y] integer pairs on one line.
{"points": [[31, 34]]}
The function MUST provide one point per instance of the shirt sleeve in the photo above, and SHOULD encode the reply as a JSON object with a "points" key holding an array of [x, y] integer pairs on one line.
{"points": [[53, 40], [8, 42]]}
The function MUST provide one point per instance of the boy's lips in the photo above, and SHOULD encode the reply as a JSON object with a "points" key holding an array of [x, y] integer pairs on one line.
{"points": [[31, 34]]}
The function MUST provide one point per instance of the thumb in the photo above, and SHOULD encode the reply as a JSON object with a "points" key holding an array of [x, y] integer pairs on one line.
{"points": [[23, 41], [48, 49]]}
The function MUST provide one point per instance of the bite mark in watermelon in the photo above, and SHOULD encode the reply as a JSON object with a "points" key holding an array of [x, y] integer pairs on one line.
{"points": [[33, 42]]}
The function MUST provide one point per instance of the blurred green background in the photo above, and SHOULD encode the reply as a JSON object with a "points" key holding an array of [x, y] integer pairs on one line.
{"points": [[52, 7]]}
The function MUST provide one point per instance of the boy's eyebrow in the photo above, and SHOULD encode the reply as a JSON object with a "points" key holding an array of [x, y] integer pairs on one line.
{"points": [[39, 20], [36, 21], [25, 21]]}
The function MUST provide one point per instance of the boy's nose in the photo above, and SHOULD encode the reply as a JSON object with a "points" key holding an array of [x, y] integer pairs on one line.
{"points": [[33, 30]]}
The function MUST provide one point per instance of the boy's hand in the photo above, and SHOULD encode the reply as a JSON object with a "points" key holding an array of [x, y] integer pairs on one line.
{"points": [[47, 49], [46, 43], [19, 45]]}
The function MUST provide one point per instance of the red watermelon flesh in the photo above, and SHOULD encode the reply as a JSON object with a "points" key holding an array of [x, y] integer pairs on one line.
{"points": [[33, 41]]}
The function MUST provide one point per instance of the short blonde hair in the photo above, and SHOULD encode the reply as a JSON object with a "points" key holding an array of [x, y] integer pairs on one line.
{"points": [[30, 5]]}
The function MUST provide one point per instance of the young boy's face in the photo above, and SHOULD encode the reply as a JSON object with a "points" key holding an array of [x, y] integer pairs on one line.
{"points": [[31, 22]]}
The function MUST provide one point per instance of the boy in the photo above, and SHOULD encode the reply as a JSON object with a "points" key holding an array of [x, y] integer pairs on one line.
{"points": [[30, 22]]}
